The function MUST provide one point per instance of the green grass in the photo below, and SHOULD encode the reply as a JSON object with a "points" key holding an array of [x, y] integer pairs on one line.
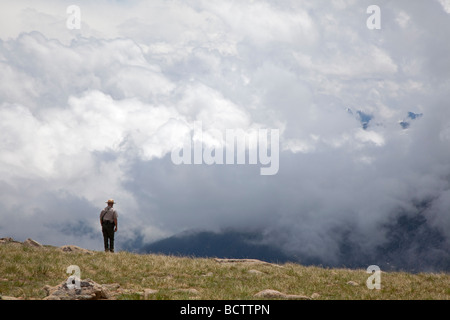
{"points": [[24, 271]]}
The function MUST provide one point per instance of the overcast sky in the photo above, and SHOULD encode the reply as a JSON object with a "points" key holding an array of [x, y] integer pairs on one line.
{"points": [[93, 113]]}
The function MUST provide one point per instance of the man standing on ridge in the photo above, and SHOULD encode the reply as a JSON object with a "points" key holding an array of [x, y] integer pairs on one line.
{"points": [[108, 221]]}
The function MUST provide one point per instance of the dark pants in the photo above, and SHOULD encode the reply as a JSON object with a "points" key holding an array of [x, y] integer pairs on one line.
{"points": [[108, 235]]}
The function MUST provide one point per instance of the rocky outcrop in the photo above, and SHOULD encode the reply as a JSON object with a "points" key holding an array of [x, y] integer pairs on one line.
{"points": [[87, 290], [9, 240], [28, 243], [6, 240], [192, 291], [274, 294], [246, 261], [74, 249], [32, 243]]}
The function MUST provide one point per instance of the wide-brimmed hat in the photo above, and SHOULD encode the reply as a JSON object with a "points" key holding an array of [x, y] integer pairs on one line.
{"points": [[110, 201]]}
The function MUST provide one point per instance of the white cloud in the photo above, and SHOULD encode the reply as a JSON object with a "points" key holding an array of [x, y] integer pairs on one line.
{"points": [[370, 136], [403, 19], [370, 61], [93, 113], [445, 4]]}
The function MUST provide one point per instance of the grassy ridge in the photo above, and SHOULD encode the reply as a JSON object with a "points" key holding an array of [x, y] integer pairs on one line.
{"points": [[24, 271]]}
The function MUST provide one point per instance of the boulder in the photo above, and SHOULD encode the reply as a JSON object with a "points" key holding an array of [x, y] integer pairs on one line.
{"points": [[74, 249], [9, 240], [6, 240], [240, 261], [88, 290], [315, 295], [274, 294], [149, 292], [245, 261], [188, 291], [32, 243]]}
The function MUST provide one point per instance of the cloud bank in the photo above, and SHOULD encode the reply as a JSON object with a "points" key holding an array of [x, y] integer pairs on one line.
{"points": [[92, 114]]}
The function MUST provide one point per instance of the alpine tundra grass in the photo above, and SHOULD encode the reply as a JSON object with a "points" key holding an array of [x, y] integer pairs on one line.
{"points": [[24, 271]]}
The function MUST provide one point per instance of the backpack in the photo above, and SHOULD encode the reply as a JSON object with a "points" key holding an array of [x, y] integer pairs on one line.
{"points": [[103, 215]]}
